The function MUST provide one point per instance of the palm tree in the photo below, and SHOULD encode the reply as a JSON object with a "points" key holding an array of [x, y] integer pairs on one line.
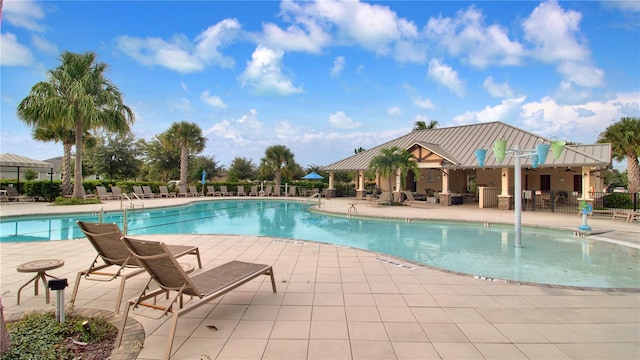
{"points": [[277, 158], [188, 138], [421, 125], [386, 164], [624, 137], [406, 162], [67, 137], [77, 96]]}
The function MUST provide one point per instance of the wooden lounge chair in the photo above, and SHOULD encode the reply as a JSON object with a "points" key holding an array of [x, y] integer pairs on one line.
{"points": [[117, 192], [254, 190], [384, 198], [137, 191], [103, 194], [114, 260], [204, 286], [292, 191], [211, 190], [13, 195], [240, 191], [164, 192], [268, 189], [411, 201], [149, 193]]}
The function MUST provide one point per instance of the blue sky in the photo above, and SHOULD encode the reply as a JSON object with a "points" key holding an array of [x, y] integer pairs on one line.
{"points": [[325, 77]]}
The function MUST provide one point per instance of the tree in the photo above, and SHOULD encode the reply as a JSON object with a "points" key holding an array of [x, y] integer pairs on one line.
{"points": [[162, 159], [278, 159], [392, 160], [421, 125], [117, 156], [77, 96], [188, 138], [206, 163], [624, 137], [406, 162], [241, 169]]}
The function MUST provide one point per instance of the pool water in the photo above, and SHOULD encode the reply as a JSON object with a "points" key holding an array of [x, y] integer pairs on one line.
{"points": [[547, 256]]}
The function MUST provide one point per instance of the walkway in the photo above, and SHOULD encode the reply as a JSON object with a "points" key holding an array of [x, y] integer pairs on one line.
{"points": [[335, 302]]}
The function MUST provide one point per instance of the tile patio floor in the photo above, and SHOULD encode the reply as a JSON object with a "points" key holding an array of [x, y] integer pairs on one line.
{"points": [[336, 302]]}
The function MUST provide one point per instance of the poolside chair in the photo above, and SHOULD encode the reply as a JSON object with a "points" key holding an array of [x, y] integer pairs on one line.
{"points": [[13, 195], [103, 194], [211, 191], [292, 191], [204, 286], [117, 192], [268, 190], [182, 191], [224, 191], [411, 201], [276, 191], [384, 198], [194, 191], [137, 191], [164, 192], [240, 191], [149, 193], [112, 254], [253, 191]]}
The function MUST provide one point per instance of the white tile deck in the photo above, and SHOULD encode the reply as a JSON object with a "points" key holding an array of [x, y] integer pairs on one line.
{"points": [[341, 303]]}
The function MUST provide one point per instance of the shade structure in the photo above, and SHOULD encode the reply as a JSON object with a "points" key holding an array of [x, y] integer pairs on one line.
{"points": [[312, 176]]}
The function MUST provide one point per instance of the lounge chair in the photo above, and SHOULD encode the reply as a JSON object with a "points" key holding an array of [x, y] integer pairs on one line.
{"points": [[149, 193], [292, 191], [194, 191], [182, 191], [276, 191], [13, 195], [224, 191], [164, 192], [103, 194], [253, 191], [112, 254], [117, 192], [384, 198], [240, 191], [211, 190], [204, 286], [411, 201], [268, 190], [138, 192]]}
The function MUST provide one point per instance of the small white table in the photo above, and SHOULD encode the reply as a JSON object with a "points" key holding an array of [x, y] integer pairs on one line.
{"points": [[39, 266]]}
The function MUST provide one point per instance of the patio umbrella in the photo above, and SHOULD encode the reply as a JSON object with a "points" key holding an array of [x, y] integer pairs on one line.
{"points": [[312, 176]]}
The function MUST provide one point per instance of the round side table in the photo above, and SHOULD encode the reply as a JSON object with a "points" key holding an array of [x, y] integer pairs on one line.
{"points": [[39, 266]]}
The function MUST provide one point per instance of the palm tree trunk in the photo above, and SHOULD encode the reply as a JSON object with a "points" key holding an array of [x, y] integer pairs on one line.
{"points": [[278, 179], [634, 173], [77, 183], [66, 169], [183, 165]]}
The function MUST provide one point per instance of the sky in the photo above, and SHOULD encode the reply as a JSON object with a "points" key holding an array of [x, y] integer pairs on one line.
{"points": [[326, 77]]}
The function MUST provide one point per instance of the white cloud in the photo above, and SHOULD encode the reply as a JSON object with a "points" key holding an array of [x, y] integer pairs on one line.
{"points": [[394, 111], [244, 130], [340, 120], [181, 54], [423, 103], [264, 73], [507, 109], [553, 32], [497, 90], [446, 76], [581, 74], [294, 38], [338, 66], [480, 45], [44, 45], [24, 13], [12, 53], [212, 100], [624, 5], [184, 86]]}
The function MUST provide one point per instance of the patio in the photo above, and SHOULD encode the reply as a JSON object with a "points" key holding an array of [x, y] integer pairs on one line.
{"points": [[336, 302]]}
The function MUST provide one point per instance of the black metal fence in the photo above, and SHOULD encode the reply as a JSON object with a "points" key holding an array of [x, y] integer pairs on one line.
{"points": [[565, 202]]}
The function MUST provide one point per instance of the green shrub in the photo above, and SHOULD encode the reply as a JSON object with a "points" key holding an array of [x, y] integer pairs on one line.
{"points": [[618, 201]]}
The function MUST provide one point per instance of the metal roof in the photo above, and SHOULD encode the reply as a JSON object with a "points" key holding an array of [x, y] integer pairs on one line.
{"points": [[13, 160], [457, 145]]}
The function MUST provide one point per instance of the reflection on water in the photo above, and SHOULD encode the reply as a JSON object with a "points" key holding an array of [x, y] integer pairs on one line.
{"points": [[547, 256]]}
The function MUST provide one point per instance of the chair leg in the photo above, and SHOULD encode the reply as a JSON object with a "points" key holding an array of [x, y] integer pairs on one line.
{"points": [[172, 333], [123, 324], [76, 286], [120, 293], [273, 281]]}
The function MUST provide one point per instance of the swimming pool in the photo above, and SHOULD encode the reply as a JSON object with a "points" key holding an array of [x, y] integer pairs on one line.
{"points": [[548, 257]]}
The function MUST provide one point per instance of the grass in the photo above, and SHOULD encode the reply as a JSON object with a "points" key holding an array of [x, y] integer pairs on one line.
{"points": [[72, 201], [41, 336]]}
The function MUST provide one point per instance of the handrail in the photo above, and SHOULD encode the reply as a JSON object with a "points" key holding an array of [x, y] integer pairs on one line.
{"points": [[131, 204], [318, 195]]}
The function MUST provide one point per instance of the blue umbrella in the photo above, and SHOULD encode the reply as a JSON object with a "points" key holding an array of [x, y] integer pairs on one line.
{"points": [[312, 176]]}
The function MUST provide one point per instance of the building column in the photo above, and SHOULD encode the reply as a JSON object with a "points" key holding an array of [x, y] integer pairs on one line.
{"points": [[361, 192], [504, 199], [445, 195], [330, 192], [586, 185]]}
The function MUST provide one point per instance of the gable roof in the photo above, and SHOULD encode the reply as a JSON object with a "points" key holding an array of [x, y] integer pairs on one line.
{"points": [[13, 160], [457, 145]]}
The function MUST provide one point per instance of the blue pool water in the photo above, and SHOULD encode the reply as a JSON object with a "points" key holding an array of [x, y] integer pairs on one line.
{"points": [[547, 256]]}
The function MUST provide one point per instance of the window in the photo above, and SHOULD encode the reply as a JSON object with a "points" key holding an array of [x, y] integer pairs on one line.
{"points": [[545, 182], [577, 183]]}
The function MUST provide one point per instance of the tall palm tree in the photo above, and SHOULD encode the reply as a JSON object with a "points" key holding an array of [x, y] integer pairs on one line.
{"points": [[406, 162], [188, 138], [277, 158], [79, 97], [67, 138], [624, 137], [422, 125]]}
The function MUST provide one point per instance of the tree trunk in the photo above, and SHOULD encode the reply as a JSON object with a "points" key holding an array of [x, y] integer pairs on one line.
{"points": [[633, 169], [66, 169], [77, 181], [183, 165], [278, 178], [5, 340]]}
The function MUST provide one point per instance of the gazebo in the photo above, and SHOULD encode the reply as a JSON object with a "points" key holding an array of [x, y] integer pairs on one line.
{"points": [[8, 160]]}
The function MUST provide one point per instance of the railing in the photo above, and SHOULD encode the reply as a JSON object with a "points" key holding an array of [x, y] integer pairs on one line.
{"points": [[131, 204], [318, 195]]}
